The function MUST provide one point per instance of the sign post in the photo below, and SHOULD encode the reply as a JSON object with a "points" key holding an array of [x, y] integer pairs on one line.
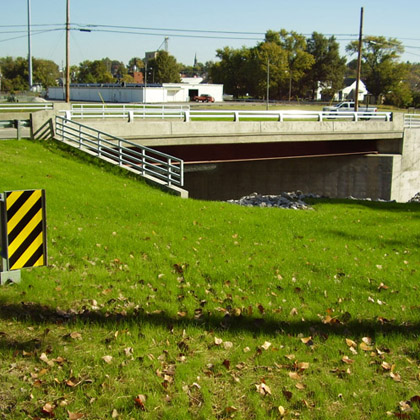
{"points": [[22, 232]]}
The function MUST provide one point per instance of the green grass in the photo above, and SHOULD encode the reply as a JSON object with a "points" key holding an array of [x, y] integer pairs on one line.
{"points": [[209, 310]]}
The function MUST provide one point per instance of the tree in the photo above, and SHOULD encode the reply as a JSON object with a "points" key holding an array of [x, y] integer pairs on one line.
{"points": [[135, 64], [163, 69], [381, 70], [16, 74], [328, 69], [298, 59], [232, 70], [94, 72], [45, 72]]}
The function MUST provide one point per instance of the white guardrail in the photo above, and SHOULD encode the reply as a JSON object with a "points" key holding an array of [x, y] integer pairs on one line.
{"points": [[32, 106], [129, 111], [412, 120], [136, 158], [186, 114]]}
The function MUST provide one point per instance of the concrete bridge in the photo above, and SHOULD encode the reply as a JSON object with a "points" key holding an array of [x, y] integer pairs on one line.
{"points": [[223, 160]]}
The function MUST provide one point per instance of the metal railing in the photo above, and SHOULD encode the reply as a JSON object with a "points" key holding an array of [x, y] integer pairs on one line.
{"points": [[186, 114], [412, 120], [31, 106], [139, 159], [17, 124], [285, 115], [129, 111]]}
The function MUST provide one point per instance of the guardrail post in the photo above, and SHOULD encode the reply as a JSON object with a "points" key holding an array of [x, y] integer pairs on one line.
{"points": [[130, 116], [169, 171], [236, 116], [187, 116], [18, 126], [68, 114]]}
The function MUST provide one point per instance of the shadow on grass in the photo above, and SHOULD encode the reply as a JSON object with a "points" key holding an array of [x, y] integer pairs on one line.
{"points": [[268, 325]]}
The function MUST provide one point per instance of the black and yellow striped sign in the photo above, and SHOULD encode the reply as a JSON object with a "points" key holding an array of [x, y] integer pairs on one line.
{"points": [[25, 224]]}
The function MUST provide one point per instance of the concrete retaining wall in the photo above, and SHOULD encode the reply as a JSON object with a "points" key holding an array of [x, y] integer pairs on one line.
{"points": [[339, 177]]}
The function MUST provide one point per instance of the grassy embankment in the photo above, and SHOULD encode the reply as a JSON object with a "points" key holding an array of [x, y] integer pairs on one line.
{"points": [[158, 307]]}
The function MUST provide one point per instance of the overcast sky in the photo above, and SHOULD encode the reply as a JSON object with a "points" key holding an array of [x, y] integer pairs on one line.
{"points": [[124, 29]]}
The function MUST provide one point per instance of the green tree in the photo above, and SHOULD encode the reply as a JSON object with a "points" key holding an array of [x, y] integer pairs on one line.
{"points": [[16, 74], [232, 70], [45, 72], [135, 64], [381, 70], [163, 69], [94, 72], [299, 61], [328, 69]]}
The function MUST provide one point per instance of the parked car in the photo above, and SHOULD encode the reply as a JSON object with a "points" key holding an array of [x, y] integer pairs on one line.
{"points": [[203, 98], [349, 107]]}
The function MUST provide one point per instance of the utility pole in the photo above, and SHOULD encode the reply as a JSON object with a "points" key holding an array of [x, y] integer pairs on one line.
{"points": [[359, 62], [29, 46], [68, 52]]}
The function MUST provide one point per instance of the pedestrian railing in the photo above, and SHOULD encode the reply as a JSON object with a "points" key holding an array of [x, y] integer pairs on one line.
{"points": [[186, 114], [31, 106], [130, 111], [138, 159], [285, 115], [412, 120]]}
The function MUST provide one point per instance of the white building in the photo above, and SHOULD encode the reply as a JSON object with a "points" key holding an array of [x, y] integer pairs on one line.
{"points": [[155, 93], [347, 93]]}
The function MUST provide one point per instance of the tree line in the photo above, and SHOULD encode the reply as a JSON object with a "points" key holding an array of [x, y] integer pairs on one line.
{"points": [[286, 65]]}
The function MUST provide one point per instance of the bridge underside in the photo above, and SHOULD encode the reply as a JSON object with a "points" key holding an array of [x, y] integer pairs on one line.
{"points": [[205, 153]]}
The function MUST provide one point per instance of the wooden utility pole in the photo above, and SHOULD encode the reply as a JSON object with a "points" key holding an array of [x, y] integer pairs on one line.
{"points": [[68, 52], [29, 46], [359, 62]]}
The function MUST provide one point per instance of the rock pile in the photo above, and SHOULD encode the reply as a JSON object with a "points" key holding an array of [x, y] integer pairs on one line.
{"points": [[415, 199], [286, 200]]}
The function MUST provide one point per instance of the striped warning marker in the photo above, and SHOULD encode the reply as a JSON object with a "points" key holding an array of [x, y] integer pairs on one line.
{"points": [[26, 228]]}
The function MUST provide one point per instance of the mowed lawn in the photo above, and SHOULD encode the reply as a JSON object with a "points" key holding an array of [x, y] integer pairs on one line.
{"points": [[155, 307]]}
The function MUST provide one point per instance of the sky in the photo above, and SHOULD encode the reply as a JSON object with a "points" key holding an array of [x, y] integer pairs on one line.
{"points": [[122, 29]]}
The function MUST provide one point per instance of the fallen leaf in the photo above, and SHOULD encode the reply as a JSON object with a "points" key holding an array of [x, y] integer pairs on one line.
{"points": [[293, 312], [365, 347], [300, 386], [347, 360], [226, 364], [48, 409], [386, 366], [227, 345], [230, 409], [263, 389], [282, 411], [302, 366], [266, 345], [75, 335], [287, 394], [140, 401], [114, 414], [75, 416], [290, 356], [295, 376], [351, 343], [395, 376], [218, 341], [107, 359], [307, 340]]}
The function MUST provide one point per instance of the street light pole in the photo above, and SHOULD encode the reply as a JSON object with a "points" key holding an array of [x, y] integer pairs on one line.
{"points": [[68, 52], [359, 63]]}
